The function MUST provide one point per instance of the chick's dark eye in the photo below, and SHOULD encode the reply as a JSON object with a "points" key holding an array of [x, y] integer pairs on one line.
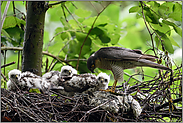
{"points": [[105, 80], [64, 71], [99, 78], [13, 76]]}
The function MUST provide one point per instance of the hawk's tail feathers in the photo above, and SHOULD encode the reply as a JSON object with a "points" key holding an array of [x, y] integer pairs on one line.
{"points": [[149, 57], [153, 65]]}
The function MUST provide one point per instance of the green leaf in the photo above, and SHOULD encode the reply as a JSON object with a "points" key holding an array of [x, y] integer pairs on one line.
{"points": [[113, 8], [176, 16], [65, 35], [114, 38], [96, 31], [36, 90], [102, 19], [12, 21], [16, 34], [65, 24], [178, 30], [173, 41], [139, 15], [166, 41], [104, 38], [175, 27], [177, 8], [89, 21], [134, 9], [151, 17], [168, 7], [82, 13], [81, 37], [158, 43], [73, 24], [6, 35], [168, 44], [101, 32], [162, 28]]}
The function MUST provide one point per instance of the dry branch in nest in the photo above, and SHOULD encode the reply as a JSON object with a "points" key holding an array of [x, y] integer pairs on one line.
{"points": [[158, 98]]}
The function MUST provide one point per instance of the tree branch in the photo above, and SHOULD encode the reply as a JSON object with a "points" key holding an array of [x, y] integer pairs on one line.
{"points": [[5, 65], [89, 33], [148, 28], [4, 14], [43, 52], [56, 3]]}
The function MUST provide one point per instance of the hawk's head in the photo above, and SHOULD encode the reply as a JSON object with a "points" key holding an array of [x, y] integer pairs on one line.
{"points": [[91, 62], [14, 75]]}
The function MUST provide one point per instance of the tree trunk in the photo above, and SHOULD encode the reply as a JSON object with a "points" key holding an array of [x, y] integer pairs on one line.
{"points": [[33, 39]]}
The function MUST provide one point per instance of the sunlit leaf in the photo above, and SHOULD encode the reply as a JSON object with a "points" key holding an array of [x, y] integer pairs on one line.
{"points": [[12, 21], [162, 28], [81, 37], [114, 38], [134, 9], [173, 41], [82, 13], [175, 27], [168, 44], [176, 16]]}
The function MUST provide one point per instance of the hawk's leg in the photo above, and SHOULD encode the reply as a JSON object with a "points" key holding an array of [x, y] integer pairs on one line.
{"points": [[112, 88]]}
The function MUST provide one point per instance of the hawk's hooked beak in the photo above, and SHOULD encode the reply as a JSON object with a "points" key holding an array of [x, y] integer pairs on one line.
{"points": [[92, 68]]}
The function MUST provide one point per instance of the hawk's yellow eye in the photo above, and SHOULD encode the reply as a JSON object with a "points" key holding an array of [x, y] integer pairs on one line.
{"points": [[92, 65]]}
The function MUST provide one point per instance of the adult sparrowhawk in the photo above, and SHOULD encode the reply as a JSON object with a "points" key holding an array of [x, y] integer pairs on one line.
{"points": [[117, 59]]}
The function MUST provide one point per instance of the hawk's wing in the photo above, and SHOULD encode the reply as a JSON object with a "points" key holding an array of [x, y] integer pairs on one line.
{"points": [[118, 53]]}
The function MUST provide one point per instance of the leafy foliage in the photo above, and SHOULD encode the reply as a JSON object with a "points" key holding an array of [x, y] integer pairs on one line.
{"points": [[77, 29], [74, 21]]}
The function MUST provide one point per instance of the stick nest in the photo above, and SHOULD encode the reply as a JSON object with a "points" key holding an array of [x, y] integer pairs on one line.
{"points": [[159, 98]]}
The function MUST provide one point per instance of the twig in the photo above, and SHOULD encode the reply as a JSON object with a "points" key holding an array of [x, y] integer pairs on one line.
{"points": [[147, 27], [4, 14], [64, 47], [4, 77], [50, 69], [14, 8], [43, 52], [167, 103], [131, 76], [89, 33], [94, 7], [5, 65], [56, 3], [64, 14], [73, 17], [76, 60], [25, 113], [94, 109], [57, 35]]}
